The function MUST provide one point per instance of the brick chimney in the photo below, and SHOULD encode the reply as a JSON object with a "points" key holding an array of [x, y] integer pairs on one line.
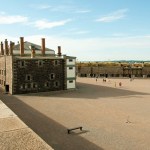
{"points": [[11, 48], [6, 47], [2, 49], [43, 46], [21, 46], [59, 51], [32, 51]]}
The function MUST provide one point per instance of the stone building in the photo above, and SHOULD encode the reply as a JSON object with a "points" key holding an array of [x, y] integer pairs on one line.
{"points": [[28, 68], [112, 69]]}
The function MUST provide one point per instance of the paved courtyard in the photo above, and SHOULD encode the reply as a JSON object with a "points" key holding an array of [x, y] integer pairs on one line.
{"points": [[14, 134], [113, 117]]}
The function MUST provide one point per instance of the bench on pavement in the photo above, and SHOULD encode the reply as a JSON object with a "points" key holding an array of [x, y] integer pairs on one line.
{"points": [[74, 129]]}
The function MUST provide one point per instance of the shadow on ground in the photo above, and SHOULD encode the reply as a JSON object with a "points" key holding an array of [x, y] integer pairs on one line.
{"points": [[49, 130], [90, 91]]}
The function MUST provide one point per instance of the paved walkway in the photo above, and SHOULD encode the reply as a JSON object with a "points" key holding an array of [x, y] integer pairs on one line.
{"points": [[14, 134]]}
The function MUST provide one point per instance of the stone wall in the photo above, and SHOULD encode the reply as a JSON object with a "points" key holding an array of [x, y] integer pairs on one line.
{"points": [[2, 72], [6, 73], [112, 71], [9, 74], [38, 75]]}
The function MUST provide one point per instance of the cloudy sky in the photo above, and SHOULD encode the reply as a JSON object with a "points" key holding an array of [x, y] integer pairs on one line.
{"points": [[90, 30]]}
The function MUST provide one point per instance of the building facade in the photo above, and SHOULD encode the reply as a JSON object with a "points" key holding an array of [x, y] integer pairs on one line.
{"points": [[141, 70], [28, 68]]}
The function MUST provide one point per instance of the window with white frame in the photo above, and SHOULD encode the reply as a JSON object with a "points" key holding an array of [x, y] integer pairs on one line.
{"points": [[70, 81], [70, 68]]}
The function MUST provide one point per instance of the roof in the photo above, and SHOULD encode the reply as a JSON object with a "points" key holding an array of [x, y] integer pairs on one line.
{"points": [[73, 57], [38, 57], [27, 48]]}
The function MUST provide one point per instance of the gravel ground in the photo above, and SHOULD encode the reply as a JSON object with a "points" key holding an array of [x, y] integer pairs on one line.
{"points": [[113, 117]]}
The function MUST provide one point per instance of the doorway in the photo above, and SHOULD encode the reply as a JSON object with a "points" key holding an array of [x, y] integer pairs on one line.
{"points": [[6, 88]]}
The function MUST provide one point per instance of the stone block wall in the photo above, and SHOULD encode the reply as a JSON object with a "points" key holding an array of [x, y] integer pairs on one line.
{"points": [[2, 72], [9, 74], [38, 75], [114, 71]]}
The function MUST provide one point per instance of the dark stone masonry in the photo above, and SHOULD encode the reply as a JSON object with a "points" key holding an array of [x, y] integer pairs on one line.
{"points": [[30, 68]]}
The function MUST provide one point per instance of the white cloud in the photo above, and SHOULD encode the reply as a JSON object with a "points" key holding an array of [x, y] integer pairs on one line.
{"points": [[117, 15], [98, 49], [42, 6], [43, 24], [136, 47], [8, 37], [11, 19], [121, 34], [2, 13], [61, 8], [83, 11]]}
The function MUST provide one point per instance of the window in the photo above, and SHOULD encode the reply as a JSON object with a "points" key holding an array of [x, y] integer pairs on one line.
{"points": [[70, 60], [34, 85], [70, 81], [40, 63], [56, 62], [52, 76], [70, 68], [22, 63], [56, 84], [47, 84], [28, 77]]}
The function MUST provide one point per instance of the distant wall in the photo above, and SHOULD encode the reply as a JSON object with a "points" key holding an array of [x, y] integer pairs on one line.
{"points": [[112, 71]]}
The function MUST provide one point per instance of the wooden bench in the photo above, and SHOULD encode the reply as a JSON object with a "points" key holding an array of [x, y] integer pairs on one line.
{"points": [[74, 129]]}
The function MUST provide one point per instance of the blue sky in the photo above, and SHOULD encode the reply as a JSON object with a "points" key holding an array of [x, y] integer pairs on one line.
{"points": [[90, 30]]}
